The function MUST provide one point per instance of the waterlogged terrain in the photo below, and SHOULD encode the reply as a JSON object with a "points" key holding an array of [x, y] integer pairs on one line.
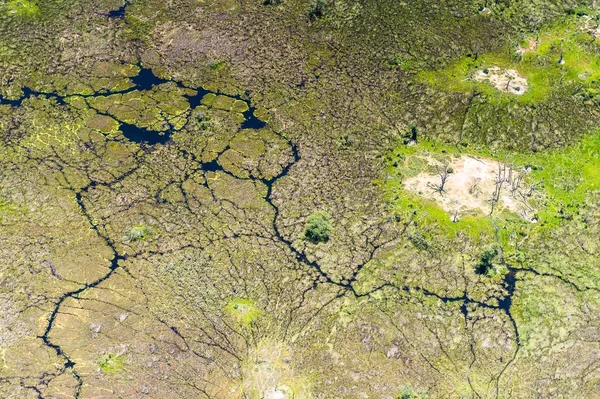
{"points": [[299, 199]]}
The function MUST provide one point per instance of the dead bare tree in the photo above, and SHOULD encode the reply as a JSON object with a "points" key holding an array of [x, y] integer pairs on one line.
{"points": [[498, 182], [454, 216], [517, 182], [443, 173], [533, 187]]}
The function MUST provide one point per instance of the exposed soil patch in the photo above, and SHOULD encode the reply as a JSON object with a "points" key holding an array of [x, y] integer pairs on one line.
{"points": [[505, 80], [269, 371], [476, 185]]}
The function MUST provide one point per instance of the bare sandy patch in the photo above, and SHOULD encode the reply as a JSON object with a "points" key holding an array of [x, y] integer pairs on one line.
{"points": [[269, 374], [505, 80], [469, 185]]}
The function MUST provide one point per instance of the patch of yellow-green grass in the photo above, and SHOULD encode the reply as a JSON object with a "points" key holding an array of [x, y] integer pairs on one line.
{"points": [[567, 175], [430, 214], [22, 8], [243, 310], [137, 233], [563, 53], [9, 209], [7, 206], [111, 363]]}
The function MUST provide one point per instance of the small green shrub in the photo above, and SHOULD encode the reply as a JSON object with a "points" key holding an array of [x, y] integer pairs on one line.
{"points": [[419, 241], [217, 65], [399, 62], [205, 121], [409, 392], [318, 227], [316, 10]]}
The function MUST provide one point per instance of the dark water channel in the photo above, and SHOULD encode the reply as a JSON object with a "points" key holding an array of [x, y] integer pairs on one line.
{"points": [[145, 80]]}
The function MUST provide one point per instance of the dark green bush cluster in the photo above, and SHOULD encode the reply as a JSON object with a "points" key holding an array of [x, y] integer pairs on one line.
{"points": [[317, 9], [318, 227], [486, 261], [419, 241]]}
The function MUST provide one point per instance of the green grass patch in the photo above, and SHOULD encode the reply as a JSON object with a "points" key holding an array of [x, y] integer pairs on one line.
{"points": [[111, 363], [567, 176], [8, 207], [22, 8], [137, 233], [243, 310], [569, 39], [430, 214]]}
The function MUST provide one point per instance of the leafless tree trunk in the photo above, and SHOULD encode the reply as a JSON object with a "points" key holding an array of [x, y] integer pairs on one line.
{"points": [[454, 216], [444, 174], [500, 179], [516, 183]]}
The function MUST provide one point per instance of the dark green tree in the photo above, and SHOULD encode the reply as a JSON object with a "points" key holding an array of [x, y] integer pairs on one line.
{"points": [[486, 261], [318, 227], [317, 9]]}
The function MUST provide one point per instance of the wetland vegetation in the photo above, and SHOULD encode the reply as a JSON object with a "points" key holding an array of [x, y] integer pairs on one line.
{"points": [[299, 199]]}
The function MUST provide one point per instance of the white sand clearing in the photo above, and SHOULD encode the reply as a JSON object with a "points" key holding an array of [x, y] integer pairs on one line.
{"points": [[474, 186], [505, 80]]}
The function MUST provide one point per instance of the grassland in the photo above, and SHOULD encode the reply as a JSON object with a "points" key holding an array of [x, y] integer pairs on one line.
{"points": [[564, 53]]}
